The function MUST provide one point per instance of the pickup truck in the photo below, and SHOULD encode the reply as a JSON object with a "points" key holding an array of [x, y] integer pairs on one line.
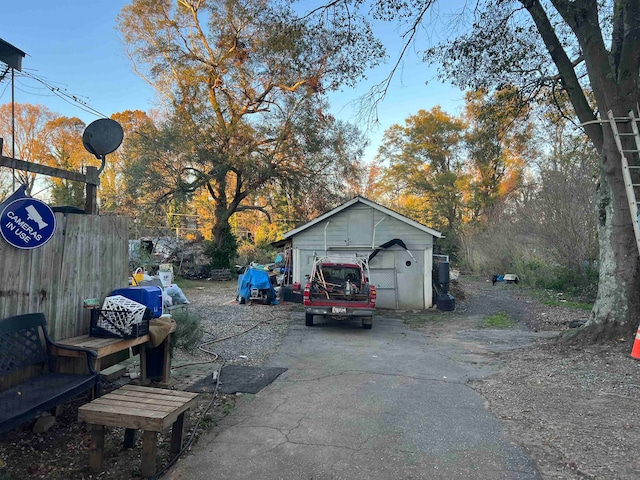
{"points": [[340, 288]]}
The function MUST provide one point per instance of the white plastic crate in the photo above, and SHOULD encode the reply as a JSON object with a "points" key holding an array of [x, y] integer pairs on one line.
{"points": [[121, 315]]}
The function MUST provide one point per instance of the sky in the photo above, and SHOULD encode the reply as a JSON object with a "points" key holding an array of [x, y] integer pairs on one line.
{"points": [[73, 45]]}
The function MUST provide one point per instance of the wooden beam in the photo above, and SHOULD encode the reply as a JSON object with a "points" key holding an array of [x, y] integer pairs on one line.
{"points": [[45, 170], [91, 198]]}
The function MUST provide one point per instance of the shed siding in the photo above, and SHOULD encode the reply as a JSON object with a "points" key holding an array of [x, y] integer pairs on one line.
{"points": [[359, 229], [341, 231]]}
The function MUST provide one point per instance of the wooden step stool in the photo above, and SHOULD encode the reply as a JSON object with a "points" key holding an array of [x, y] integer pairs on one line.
{"points": [[151, 410]]}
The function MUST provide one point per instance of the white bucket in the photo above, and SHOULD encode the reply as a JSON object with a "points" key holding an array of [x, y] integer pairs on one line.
{"points": [[166, 277]]}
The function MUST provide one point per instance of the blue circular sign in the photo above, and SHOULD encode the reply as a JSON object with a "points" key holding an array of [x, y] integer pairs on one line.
{"points": [[27, 223]]}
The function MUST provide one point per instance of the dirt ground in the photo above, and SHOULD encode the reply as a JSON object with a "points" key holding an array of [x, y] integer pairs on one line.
{"points": [[575, 409]]}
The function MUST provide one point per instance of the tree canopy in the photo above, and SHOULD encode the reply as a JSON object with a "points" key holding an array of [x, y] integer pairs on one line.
{"points": [[243, 84]]}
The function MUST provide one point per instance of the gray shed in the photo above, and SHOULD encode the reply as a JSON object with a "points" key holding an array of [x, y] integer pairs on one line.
{"points": [[402, 276]]}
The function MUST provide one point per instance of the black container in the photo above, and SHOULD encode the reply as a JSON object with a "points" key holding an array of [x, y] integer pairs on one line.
{"points": [[155, 361], [446, 302], [110, 329]]}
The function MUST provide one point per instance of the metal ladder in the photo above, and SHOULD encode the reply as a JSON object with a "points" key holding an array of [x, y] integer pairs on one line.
{"points": [[627, 169]]}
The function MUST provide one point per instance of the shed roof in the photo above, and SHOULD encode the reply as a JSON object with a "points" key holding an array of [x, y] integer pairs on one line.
{"points": [[369, 203]]}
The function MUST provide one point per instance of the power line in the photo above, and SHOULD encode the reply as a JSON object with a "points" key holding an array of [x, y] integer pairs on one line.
{"points": [[59, 92]]}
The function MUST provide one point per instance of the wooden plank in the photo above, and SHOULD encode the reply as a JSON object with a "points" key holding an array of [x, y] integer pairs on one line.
{"points": [[49, 277], [118, 418], [102, 346], [135, 407], [126, 409], [158, 402], [177, 433], [160, 391], [93, 270], [114, 253], [67, 302], [42, 169], [166, 404]]}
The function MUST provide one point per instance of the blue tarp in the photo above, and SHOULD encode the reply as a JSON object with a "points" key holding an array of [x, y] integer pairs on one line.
{"points": [[255, 278]]}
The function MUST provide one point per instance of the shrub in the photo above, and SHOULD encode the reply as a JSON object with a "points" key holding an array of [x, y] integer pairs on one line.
{"points": [[188, 334], [222, 256], [582, 282]]}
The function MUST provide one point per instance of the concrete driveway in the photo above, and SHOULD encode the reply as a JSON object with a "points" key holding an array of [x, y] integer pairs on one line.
{"points": [[360, 404]]}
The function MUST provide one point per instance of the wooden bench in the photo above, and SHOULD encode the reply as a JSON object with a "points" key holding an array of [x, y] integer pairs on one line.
{"points": [[151, 410], [104, 347], [28, 383]]}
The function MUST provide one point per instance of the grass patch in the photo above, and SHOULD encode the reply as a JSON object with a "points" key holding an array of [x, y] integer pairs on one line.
{"points": [[569, 304], [227, 407], [185, 283], [499, 320], [561, 299]]}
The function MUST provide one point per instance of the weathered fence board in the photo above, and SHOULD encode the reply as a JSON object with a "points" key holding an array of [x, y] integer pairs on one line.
{"points": [[87, 257]]}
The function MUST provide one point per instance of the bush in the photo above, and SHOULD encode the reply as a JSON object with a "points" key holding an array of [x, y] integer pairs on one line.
{"points": [[222, 256], [581, 282], [188, 334]]}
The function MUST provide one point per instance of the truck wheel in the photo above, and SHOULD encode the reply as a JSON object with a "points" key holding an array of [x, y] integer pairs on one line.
{"points": [[367, 323], [308, 319], [268, 298]]}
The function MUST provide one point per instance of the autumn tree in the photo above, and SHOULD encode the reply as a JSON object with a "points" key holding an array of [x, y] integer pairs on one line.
{"points": [[117, 190], [65, 151], [31, 136], [238, 79], [425, 168], [323, 167], [498, 145], [588, 49]]}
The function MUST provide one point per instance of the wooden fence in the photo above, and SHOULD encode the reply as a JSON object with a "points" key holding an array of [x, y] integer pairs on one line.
{"points": [[87, 257]]}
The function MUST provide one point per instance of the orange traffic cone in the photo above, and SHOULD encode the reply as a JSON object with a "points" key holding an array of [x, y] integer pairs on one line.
{"points": [[635, 353]]}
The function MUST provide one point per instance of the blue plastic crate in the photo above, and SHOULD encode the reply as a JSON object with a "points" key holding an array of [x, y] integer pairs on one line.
{"points": [[149, 296]]}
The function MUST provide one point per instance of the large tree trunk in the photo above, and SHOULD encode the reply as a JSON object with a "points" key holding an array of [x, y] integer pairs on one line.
{"points": [[613, 75], [617, 308], [221, 225]]}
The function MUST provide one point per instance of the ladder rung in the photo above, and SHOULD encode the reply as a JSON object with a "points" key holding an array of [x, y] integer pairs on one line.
{"points": [[633, 167]]}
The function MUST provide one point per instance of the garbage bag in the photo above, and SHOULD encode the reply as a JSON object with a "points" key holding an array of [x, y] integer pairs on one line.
{"points": [[176, 294]]}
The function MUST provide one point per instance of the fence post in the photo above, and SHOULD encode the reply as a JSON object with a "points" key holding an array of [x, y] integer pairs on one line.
{"points": [[91, 201]]}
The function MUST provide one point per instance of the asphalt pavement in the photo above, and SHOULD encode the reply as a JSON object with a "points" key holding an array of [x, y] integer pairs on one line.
{"points": [[360, 404]]}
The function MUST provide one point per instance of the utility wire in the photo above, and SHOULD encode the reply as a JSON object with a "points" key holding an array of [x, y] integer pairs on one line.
{"points": [[59, 92]]}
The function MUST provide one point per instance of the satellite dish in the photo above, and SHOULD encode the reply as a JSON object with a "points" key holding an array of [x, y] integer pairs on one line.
{"points": [[102, 136]]}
